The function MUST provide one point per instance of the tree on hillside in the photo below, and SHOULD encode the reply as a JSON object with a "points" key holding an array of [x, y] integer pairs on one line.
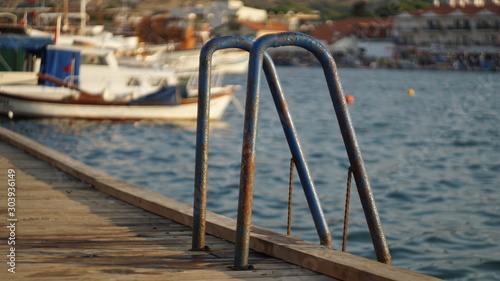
{"points": [[329, 10], [286, 6], [359, 10], [335, 10], [394, 8]]}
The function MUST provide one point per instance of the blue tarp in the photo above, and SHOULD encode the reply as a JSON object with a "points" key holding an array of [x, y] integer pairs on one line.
{"points": [[60, 64], [19, 41], [166, 95]]}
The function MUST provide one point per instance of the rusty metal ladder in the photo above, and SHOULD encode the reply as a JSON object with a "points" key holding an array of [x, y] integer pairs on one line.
{"points": [[259, 59]]}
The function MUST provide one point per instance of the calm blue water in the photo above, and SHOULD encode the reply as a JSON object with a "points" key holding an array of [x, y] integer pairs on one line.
{"points": [[433, 161]]}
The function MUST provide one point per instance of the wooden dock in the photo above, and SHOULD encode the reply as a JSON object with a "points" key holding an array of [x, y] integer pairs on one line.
{"points": [[73, 222]]}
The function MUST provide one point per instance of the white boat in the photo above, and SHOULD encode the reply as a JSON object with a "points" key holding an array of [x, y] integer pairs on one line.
{"points": [[232, 61], [63, 103], [87, 83], [186, 61]]}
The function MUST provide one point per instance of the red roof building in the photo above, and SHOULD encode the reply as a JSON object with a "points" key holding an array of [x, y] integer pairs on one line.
{"points": [[451, 26], [249, 29], [373, 28]]}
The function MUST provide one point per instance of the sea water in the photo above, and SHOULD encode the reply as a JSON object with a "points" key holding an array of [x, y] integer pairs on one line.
{"points": [[432, 158]]}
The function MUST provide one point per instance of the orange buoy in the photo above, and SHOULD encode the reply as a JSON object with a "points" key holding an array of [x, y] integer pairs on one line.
{"points": [[349, 98], [410, 92]]}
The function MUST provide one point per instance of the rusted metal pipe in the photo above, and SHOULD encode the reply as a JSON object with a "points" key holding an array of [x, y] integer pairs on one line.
{"points": [[248, 164], [201, 158], [296, 151], [354, 154]]}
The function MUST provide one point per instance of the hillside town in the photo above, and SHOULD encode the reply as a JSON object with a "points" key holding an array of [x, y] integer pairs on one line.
{"points": [[450, 34]]}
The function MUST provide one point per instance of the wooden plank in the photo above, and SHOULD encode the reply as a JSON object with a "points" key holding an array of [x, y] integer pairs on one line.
{"points": [[92, 236], [172, 272]]}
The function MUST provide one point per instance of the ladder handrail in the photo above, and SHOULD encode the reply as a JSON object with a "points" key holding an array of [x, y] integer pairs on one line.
{"points": [[202, 132], [259, 59], [354, 154], [201, 165]]}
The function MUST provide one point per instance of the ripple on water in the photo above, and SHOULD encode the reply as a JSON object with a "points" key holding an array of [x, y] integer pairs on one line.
{"points": [[400, 253], [449, 183], [401, 196], [488, 266]]}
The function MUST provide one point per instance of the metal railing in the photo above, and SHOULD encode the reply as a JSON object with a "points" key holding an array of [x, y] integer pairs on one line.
{"points": [[259, 59]]}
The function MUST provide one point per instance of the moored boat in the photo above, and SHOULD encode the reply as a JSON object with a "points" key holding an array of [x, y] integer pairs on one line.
{"points": [[87, 83], [68, 103], [186, 61]]}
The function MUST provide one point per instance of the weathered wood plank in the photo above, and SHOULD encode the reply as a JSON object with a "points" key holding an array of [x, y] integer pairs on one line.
{"points": [[172, 272], [70, 231]]}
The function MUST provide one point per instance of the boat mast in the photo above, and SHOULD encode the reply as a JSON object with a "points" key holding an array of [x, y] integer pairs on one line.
{"points": [[66, 19], [83, 16]]}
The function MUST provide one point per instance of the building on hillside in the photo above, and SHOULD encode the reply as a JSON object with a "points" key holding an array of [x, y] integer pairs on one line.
{"points": [[248, 29], [220, 12], [445, 25], [190, 26], [354, 40], [300, 22], [165, 29], [362, 28], [461, 36], [463, 3], [251, 14]]}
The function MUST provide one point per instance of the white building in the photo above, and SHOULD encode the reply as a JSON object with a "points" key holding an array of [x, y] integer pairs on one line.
{"points": [[221, 11], [462, 25]]}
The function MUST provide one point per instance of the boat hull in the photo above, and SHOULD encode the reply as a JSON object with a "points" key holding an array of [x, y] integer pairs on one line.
{"points": [[19, 107]]}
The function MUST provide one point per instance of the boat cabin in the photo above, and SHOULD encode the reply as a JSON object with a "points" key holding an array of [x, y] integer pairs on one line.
{"points": [[97, 71], [20, 56]]}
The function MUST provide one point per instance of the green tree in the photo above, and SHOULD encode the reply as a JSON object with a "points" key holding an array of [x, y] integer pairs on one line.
{"points": [[359, 9], [394, 8], [286, 6], [330, 10]]}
